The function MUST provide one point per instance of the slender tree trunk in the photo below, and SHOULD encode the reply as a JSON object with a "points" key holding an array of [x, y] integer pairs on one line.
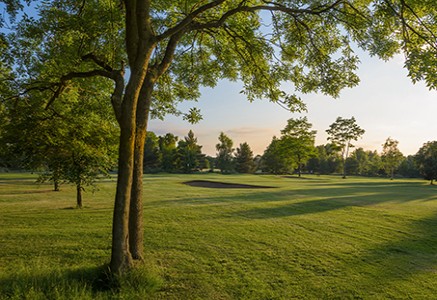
{"points": [[56, 185], [79, 195], [136, 224], [121, 258]]}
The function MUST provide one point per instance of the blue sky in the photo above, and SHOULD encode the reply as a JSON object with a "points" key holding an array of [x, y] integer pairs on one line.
{"points": [[385, 104]]}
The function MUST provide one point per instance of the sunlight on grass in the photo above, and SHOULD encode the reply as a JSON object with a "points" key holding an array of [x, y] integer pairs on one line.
{"points": [[313, 238]]}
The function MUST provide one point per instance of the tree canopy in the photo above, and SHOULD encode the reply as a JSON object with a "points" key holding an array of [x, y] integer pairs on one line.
{"points": [[426, 159], [341, 133]]}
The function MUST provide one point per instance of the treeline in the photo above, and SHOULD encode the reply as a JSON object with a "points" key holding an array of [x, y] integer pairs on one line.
{"points": [[294, 152], [169, 154], [78, 154]]}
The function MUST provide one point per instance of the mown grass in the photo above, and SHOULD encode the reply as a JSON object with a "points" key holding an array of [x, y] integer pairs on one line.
{"points": [[313, 238]]}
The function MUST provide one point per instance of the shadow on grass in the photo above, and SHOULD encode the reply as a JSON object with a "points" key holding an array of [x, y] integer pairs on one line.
{"points": [[409, 258], [379, 269], [82, 283]]}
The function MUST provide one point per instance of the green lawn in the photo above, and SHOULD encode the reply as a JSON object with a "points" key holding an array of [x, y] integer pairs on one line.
{"points": [[312, 238]]}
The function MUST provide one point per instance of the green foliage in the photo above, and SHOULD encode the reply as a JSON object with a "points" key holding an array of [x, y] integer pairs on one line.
{"points": [[167, 147], [341, 133], [391, 156], [426, 159], [297, 141], [273, 160], [73, 141], [244, 161], [224, 158], [408, 168], [152, 154], [189, 154]]}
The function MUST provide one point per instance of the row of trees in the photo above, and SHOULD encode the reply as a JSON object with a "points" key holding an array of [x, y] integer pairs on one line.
{"points": [[293, 152], [66, 146]]}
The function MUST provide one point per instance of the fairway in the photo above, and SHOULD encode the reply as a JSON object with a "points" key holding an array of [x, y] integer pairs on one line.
{"points": [[318, 237]]}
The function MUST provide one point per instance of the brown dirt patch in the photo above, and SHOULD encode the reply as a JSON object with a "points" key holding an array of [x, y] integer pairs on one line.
{"points": [[224, 185]]}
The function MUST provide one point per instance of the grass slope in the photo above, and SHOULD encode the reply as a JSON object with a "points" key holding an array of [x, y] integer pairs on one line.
{"points": [[314, 238]]}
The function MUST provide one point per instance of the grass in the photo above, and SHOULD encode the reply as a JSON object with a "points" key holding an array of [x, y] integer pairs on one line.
{"points": [[313, 238]]}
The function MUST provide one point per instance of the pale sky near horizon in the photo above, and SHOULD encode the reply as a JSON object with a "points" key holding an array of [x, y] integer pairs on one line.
{"points": [[385, 104]]}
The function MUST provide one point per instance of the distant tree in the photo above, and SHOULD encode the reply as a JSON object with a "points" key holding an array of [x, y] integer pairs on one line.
{"points": [[374, 165], [189, 153], [297, 141], [71, 143], [362, 159], [224, 159], [211, 163], [274, 161], [408, 167], [325, 161], [391, 156], [426, 159], [152, 154], [244, 162], [341, 133], [168, 149]]}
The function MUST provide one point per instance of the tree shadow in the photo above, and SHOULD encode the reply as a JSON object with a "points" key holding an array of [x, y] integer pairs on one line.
{"points": [[22, 284], [384, 267]]}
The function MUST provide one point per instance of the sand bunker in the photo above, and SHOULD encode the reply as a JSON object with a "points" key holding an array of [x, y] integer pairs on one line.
{"points": [[224, 185]]}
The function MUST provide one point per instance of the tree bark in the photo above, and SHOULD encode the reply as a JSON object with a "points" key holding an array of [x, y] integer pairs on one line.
{"points": [[79, 195], [121, 257], [136, 224]]}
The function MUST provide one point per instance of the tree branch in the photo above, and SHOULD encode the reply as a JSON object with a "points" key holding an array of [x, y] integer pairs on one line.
{"points": [[270, 6], [100, 63], [188, 19], [64, 80]]}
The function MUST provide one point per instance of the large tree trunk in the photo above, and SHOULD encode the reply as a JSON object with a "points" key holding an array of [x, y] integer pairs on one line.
{"points": [[136, 225]]}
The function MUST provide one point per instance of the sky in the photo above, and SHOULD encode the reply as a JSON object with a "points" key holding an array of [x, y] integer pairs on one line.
{"points": [[385, 104]]}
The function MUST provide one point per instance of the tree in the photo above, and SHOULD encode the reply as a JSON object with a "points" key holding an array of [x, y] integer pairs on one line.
{"points": [[224, 159], [274, 161], [152, 155], [408, 168], [171, 48], [72, 143], [190, 157], [244, 161], [358, 161], [297, 141], [341, 133], [391, 156], [168, 150], [426, 160]]}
